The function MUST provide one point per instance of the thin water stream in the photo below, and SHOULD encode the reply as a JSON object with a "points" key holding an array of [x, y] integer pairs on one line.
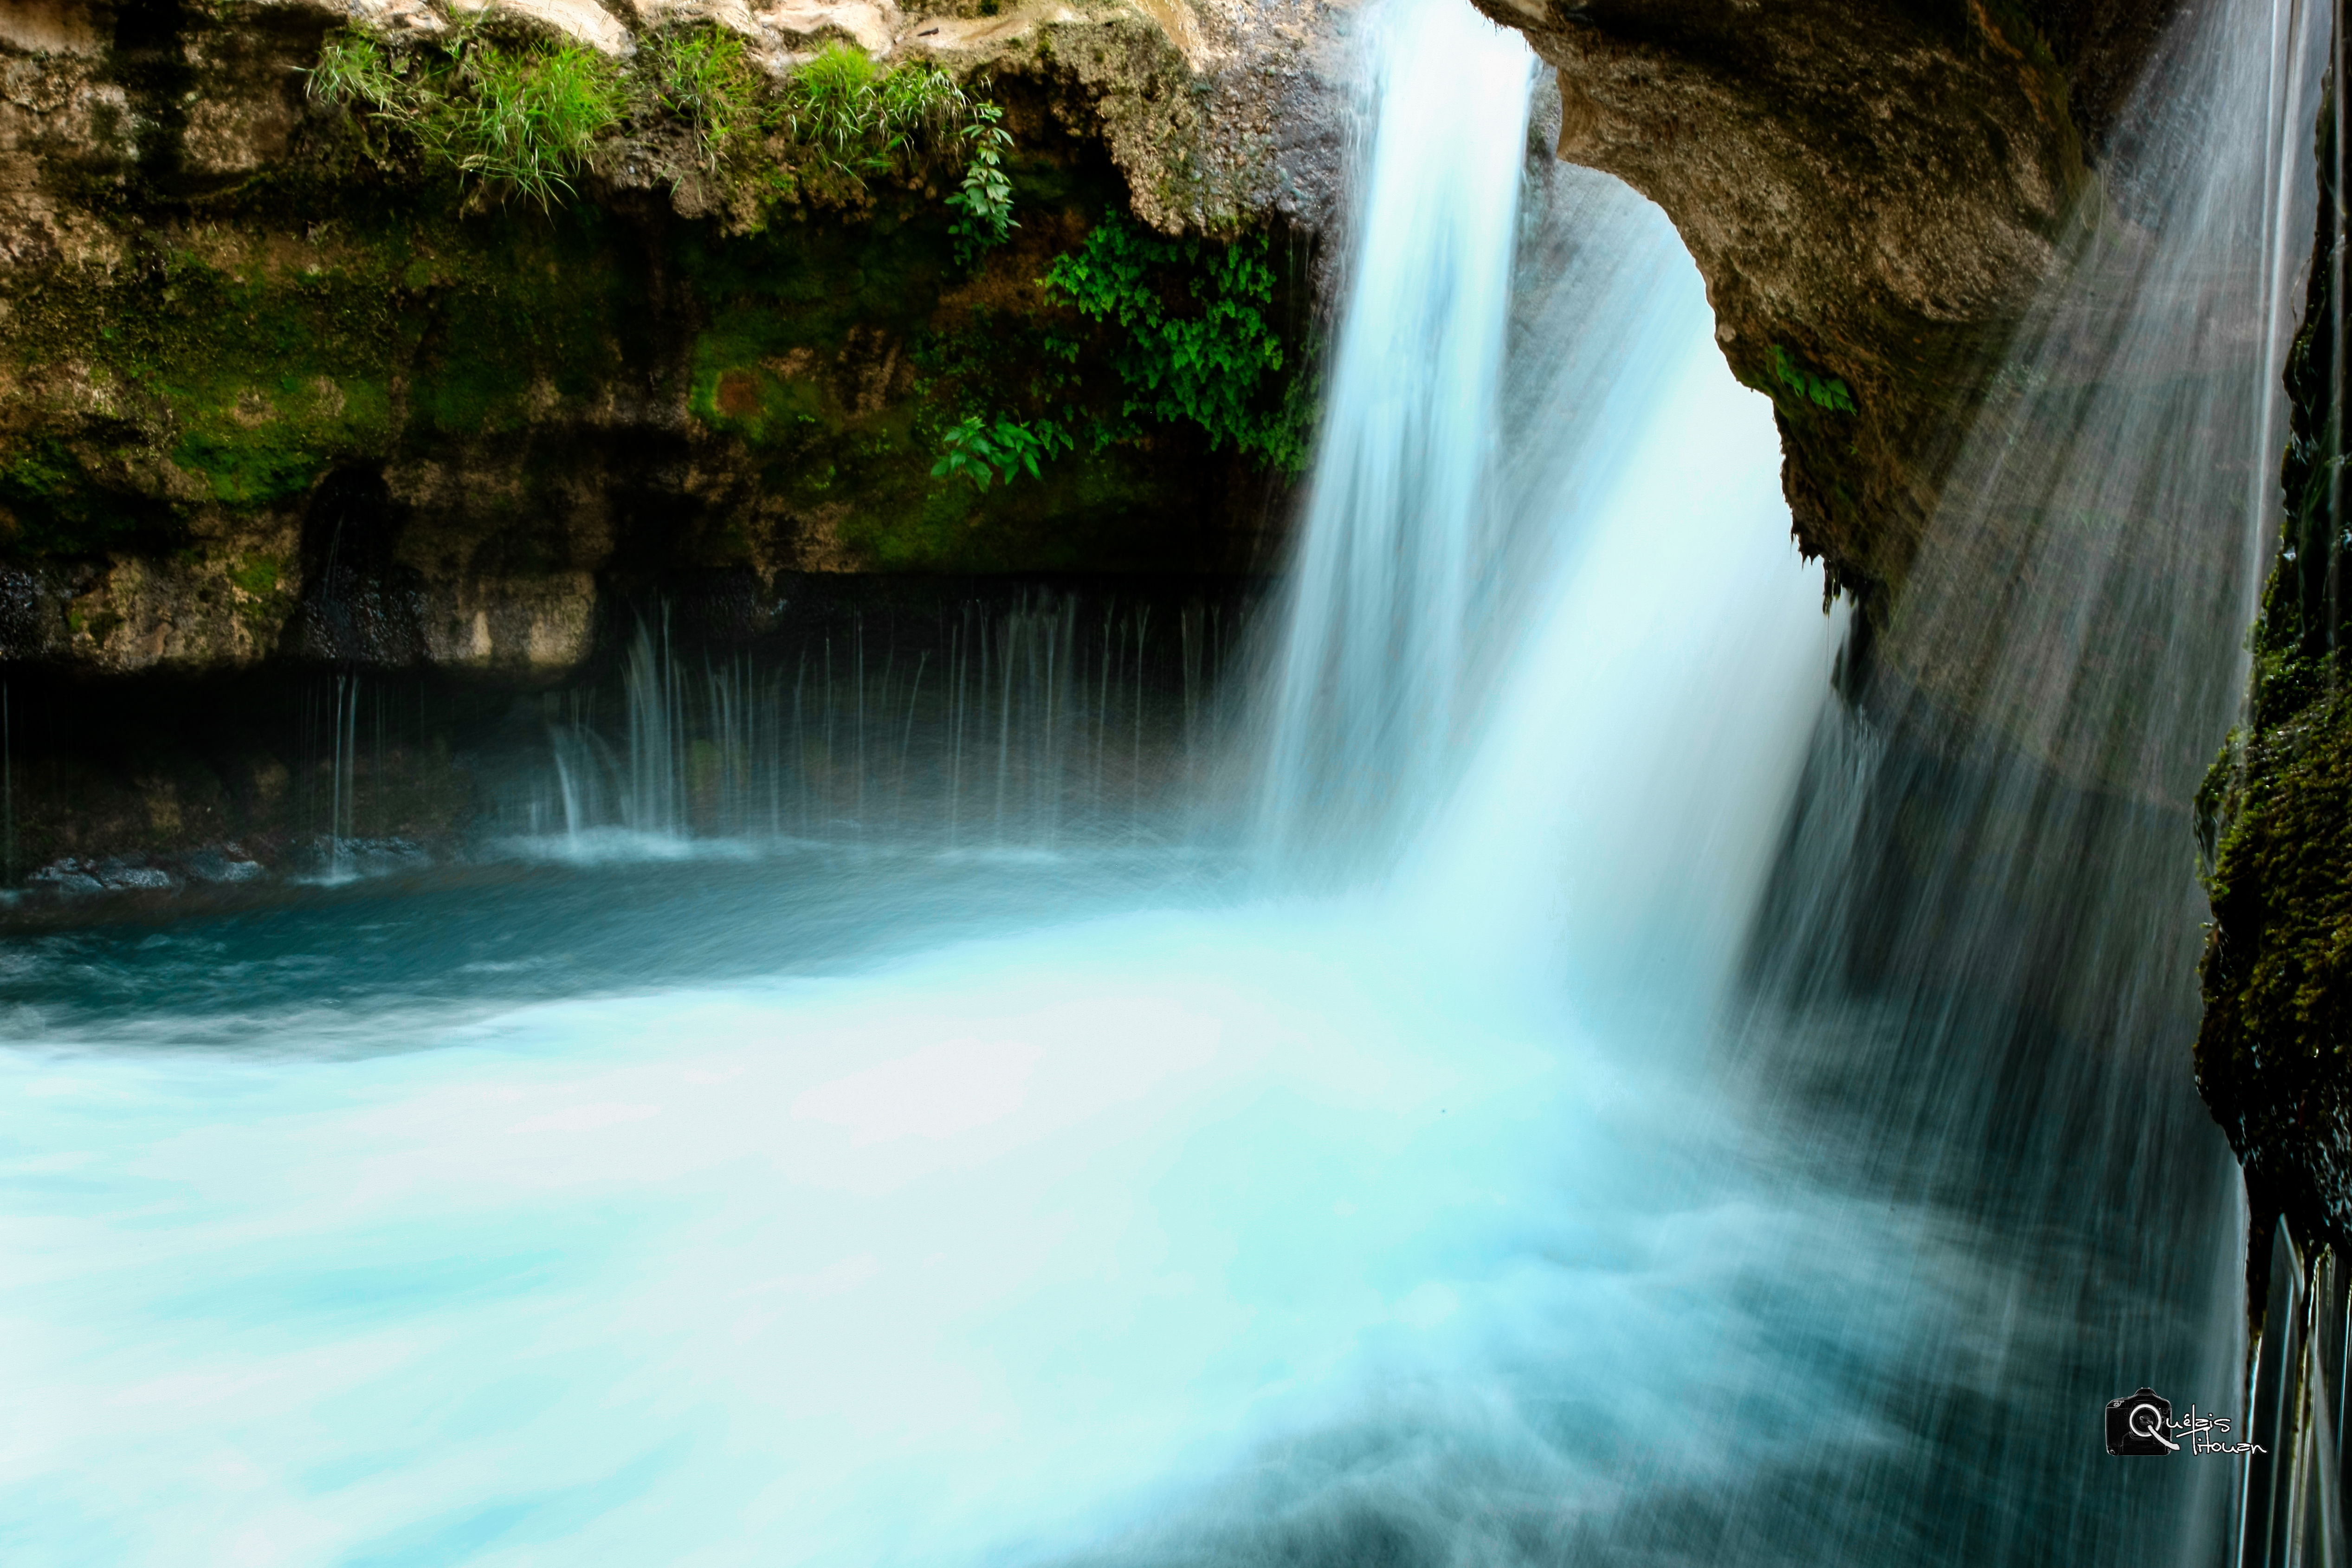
{"points": [[1496, 1155]]}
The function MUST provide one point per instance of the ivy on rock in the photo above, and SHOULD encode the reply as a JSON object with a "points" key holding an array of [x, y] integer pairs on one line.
{"points": [[985, 199], [1140, 332], [1190, 334]]}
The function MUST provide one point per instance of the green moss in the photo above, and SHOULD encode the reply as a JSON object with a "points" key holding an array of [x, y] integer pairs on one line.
{"points": [[2279, 968], [758, 402], [267, 597], [98, 627], [51, 503], [242, 473], [257, 575], [251, 382], [316, 320]]}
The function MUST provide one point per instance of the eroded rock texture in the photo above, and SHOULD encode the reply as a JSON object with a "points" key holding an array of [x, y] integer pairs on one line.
{"points": [[1873, 190], [264, 392]]}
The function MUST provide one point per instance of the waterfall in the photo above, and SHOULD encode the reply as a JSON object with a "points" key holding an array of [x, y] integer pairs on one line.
{"points": [[1565, 730], [1369, 685], [1034, 720], [1975, 968], [1643, 730], [8, 795], [1656, 1115], [656, 789], [342, 780]]}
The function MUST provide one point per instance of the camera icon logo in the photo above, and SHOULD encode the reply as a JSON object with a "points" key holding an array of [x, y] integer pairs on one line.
{"points": [[2136, 1424]]}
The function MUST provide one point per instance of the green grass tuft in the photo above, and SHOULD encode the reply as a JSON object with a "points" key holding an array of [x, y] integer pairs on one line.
{"points": [[530, 118], [353, 70], [705, 79], [831, 102], [524, 115], [852, 119]]}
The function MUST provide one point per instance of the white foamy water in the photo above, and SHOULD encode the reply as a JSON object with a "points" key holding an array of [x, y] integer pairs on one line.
{"points": [[1019, 1247]]}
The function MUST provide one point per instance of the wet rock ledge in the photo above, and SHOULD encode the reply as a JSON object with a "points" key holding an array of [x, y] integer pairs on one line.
{"points": [[284, 374]]}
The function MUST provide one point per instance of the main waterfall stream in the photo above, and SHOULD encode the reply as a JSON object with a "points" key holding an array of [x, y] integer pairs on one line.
{"points": [[1444, 1177]]}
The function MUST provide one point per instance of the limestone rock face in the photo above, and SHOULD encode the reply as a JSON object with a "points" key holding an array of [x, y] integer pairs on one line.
{"points": [[1218, 112], [264, 393], [1873, 190]]}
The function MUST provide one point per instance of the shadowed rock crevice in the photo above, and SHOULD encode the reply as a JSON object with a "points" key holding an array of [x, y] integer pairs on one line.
{"points": [[360, 604]]}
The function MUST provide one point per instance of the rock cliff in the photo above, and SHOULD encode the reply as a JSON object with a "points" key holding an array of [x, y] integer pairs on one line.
{"points": [[289, 368], [1873, 191]]}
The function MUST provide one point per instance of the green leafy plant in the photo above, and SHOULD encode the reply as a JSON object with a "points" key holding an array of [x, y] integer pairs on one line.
{"points": [[985, 199], [1823, 392], [705, 77], [1192, 341], [981, 449]]}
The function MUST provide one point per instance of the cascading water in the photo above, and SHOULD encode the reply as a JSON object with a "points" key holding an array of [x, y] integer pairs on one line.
{"points": [[1061, 719], [1975, 975], [911, 1213], [1368, 693]]}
